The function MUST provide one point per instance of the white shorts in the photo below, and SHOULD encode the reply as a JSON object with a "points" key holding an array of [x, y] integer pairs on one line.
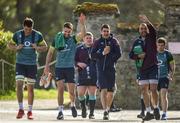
{"points": [[150, 81]]}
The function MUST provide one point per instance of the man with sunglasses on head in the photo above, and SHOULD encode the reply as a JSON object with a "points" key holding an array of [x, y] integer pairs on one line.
{"points": [[148, 73], [106, 51], [25, 43], [65, 45]]}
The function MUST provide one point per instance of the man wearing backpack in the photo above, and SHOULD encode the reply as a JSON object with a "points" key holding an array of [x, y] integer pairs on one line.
{"points": [[166, 71], [138, 49], [65, 45], [25, 43]]}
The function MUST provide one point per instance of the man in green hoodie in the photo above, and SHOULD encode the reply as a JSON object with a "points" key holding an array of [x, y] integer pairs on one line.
{"points": [[65, 45]]}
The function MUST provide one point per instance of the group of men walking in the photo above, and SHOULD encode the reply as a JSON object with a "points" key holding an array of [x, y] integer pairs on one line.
{"points": [[95, 63]]}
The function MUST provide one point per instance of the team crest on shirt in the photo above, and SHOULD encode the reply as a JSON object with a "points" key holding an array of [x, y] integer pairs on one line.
{"points": [[27, 44], [66, 46], [20, 36], [160, 62]]}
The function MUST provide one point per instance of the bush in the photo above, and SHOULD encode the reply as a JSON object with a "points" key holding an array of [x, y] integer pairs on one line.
{"points": [[9, 56]]}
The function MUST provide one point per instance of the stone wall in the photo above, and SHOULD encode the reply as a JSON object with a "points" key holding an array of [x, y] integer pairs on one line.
{"points": [[94, 23], [96, 15], [172, 22]]}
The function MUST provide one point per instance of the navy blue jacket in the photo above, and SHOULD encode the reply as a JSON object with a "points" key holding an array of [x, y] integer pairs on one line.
{"points": [[106, 62], [149, 48]]}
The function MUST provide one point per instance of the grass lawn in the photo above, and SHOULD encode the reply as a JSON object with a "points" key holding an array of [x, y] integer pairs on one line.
{"points": [[38, 93]]}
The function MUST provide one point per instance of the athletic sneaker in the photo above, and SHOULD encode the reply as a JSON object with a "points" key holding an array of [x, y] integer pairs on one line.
{"points": [[29, 115], [164, 117], [157, 113], [106, 115], [91, 116], [74, 111], [141, 115], [115, 109], [84, 113], [20, 114], [60, 116], [148, 116]]}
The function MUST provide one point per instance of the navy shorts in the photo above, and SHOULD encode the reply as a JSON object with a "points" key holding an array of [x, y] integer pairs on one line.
{"points": [[87, 80], [66, 74], [163, 83], [149, 76], [106, 80], [28, 72]]}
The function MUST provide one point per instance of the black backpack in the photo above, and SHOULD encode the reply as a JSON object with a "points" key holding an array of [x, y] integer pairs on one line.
{"points": [[167, 56]]}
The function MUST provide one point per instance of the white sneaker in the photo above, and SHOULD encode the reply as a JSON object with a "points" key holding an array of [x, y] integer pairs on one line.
{"points": [[48, 80], [45, 80]]}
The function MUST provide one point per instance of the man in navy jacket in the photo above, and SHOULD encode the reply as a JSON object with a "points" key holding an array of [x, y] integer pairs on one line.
{"points": [[106, 51]]}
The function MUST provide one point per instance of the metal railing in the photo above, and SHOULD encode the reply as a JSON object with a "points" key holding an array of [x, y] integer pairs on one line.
{"points": [[3, 62]]}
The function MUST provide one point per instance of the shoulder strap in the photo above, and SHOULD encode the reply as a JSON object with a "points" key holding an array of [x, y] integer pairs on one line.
{"points": [[167, 57], [22, 37], [33, 36]]}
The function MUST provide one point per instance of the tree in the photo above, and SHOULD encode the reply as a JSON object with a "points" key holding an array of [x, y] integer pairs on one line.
{"points": [[9, 56]]}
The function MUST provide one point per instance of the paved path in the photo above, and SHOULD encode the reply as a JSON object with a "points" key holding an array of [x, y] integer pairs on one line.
{"points": [[45, 111]]}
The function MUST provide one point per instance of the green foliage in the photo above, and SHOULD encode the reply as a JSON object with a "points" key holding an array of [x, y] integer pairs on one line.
{"points": [[9, 56], [48, 15]]}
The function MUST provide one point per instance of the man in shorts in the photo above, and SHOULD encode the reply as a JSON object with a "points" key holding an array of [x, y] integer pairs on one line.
{"points": [[87, 75], [65, 45], [106, 51], [166, 72], [148, 73], [25, 43]]}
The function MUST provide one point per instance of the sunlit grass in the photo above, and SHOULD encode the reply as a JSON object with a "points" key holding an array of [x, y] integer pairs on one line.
{"points": [[39, 94]]}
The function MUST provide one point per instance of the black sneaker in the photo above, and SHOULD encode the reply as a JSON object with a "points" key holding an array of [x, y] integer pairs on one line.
{"points": [[157, 113], [148, 116], [141, 115], [60, 116], [84, 113], [74, 111], [91, 116], [115, 109], [106, 115]]}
